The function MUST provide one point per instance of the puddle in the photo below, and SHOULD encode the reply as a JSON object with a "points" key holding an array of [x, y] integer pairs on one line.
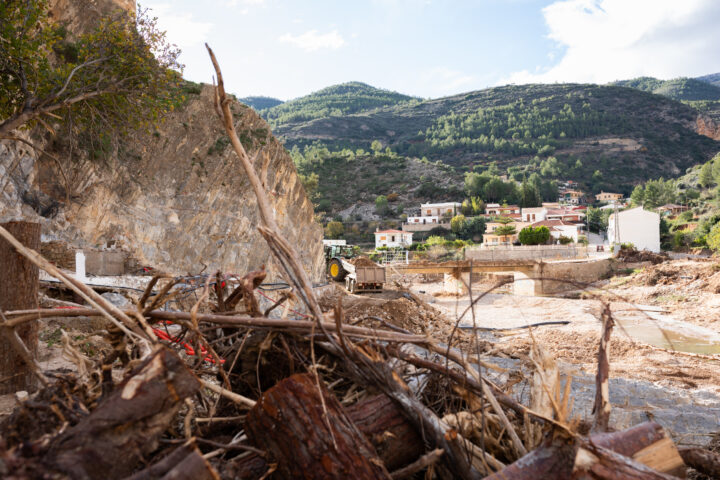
{"points": [[662, 331]]}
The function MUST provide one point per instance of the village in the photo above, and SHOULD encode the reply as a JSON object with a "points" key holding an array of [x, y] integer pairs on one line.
{"points": [[565, 221]]}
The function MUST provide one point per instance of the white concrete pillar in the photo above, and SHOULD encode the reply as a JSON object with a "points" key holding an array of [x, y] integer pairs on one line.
{"points": [[80, 266]]}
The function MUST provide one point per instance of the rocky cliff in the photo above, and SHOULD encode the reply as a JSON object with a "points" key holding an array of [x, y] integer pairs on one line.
{"points": [[175, 198], [708, 126]]}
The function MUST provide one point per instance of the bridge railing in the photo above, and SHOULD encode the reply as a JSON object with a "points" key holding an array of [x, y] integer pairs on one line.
{"points": [[526, 252]]}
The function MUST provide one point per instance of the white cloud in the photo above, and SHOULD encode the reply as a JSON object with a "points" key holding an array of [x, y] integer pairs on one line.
{"points": [[313, 40], [182, 29], [440, 81], [606, 40]]}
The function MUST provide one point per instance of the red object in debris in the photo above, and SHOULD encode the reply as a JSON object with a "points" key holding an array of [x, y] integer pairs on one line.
{"points": [[162, 335]]}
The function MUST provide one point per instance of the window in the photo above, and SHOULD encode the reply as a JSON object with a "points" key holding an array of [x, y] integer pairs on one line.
{"points": [[383, 237], [429, 212], [392, 238]]}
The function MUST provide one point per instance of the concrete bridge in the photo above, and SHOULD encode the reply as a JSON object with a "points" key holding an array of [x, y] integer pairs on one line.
{"points": [[531, 277]]}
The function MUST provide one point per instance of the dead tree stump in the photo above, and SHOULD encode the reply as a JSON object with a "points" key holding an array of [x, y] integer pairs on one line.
{"points": [[18, 291], [307, 439]]}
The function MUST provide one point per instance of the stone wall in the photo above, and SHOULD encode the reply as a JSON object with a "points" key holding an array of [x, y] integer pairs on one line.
{"points": [[571, 275], [59, 254]]}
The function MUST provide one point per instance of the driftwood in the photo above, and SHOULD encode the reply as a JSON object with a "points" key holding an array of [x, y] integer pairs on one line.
{"points": [[704, 461], [184, 463], [307, 440], [110, 442], [634, 451]]}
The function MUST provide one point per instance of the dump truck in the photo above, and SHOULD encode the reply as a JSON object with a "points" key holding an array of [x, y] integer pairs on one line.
{"points": [[359, 273]]}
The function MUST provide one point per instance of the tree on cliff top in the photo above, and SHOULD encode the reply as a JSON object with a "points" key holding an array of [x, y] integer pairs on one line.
{"points": [[116, 77]]}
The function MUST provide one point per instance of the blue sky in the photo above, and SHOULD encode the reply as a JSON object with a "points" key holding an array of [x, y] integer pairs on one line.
{"points": [[433, 48]]}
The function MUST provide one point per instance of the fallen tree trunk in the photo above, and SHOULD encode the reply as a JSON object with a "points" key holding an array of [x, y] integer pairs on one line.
{"points": [[310, 436], [112, 440]]}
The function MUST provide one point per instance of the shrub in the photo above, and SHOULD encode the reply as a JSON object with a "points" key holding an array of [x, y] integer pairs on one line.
{"points": [[457, 224], [565, 240], [393, 197], [533, 235], [713, 238]]}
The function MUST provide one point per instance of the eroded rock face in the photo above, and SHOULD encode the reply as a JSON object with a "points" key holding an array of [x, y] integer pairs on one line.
{"points": [[176, 199], [708, 127]]}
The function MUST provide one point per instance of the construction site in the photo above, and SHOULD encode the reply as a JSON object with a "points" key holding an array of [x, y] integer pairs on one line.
{"points": [[173, 314]]}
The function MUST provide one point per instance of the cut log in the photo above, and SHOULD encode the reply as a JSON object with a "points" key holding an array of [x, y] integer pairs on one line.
{"points": [[704, 461], [111, 441], [310, 436], [383, 424], [645, 446], [394, 438], [19, 281], [184, 463]]}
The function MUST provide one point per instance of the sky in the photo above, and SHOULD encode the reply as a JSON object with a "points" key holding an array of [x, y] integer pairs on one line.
{"points": [[433, 48]]}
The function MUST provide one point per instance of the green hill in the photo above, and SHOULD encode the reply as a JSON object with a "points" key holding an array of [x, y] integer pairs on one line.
{"points": [[261, 103], [713, 78], [334, 101], [607, 137], [688, 89]]}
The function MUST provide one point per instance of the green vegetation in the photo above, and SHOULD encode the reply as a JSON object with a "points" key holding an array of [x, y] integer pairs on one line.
{"points": [[111, 80], [342, 178], [534, 235], [335, 101], [654, 193], [261, 103], [334, 229], [605, 137], [677, 88]]}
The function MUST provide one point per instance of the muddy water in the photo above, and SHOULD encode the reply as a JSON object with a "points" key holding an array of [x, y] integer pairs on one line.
{"points": [[661, 330]]}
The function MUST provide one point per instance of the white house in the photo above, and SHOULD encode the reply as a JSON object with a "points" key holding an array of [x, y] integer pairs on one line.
{"points": [[534, 214], [439, 209], [636, 226], [393, 238]]}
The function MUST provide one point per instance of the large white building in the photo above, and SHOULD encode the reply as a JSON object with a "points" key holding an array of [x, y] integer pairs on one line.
{"points": [[636, 226], [432, 215], [393, 238]]}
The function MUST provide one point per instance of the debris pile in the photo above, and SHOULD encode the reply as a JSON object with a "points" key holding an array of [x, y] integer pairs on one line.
{"points": [[631, 255], [362, 261]]}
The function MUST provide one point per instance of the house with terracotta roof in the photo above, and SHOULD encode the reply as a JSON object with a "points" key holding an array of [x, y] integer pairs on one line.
{"points": [[497, 210], [393, 238], [608, 197]]}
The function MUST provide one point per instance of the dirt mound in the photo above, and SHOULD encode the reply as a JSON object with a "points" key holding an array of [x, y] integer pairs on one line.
{"points": [[635, 256], [362, 262], [703, 277], [401, 312]]}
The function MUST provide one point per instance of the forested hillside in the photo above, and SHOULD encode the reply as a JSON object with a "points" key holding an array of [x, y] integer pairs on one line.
{"points": [[606, 137], [334, 101], [261, 103], [690, 89], [713, 78]]}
